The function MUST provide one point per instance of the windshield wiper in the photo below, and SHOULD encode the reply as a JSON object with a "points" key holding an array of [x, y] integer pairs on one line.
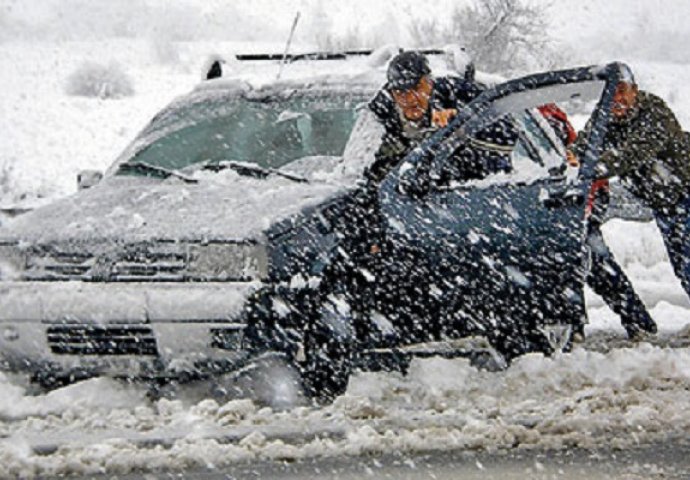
{"points": [[163, 172], [251, 169]]}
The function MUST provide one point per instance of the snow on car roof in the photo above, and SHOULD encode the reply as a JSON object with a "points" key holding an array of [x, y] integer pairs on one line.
{"points": [[356, 67]]}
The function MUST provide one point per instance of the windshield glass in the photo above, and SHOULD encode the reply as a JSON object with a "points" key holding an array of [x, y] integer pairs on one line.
{"points": [[268, 132]]}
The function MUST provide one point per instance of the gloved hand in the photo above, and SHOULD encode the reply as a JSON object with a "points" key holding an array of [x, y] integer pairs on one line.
{"points": [[571, 159], [440, 118]]}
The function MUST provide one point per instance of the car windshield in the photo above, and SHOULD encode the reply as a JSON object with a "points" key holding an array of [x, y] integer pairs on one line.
{"points": [[268, 132]]}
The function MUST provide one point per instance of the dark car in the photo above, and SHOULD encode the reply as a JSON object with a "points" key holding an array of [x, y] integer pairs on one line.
{"points": [[238, 227], [432, 261]]}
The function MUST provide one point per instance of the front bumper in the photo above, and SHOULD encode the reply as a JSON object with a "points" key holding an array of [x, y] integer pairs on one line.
{"points": [[122, 329]]}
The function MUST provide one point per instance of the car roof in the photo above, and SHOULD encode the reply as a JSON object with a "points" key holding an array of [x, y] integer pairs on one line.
{"points": [[357, 73], [355, 67], [357, 77]]}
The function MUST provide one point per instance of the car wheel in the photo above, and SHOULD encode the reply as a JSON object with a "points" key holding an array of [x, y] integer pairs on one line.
{"points": [[327, 367], [269, 380]]}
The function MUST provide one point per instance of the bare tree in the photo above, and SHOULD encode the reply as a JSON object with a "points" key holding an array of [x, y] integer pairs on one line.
{"points": [[427, 31], [501, 35]]}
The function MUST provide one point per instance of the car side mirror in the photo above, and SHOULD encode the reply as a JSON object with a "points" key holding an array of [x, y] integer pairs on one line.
{"points": [[88, 178]]}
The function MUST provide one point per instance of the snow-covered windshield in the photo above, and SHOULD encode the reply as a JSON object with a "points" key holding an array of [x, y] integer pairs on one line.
{"points": [[269, 132]]}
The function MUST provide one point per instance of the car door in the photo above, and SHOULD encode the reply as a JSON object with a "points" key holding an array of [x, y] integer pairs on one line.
{"points": [[507, 249]]}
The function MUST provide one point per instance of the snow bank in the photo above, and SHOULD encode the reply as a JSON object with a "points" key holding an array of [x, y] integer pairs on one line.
{"points": [[583, 399], [94, 395]]}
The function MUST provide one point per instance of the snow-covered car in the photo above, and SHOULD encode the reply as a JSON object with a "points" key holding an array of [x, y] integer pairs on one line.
{"points": [[213, 239], [151, 267]]}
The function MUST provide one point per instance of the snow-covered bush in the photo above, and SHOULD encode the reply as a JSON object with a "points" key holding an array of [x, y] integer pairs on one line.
{"points": [[102, 81], [501, 35]]}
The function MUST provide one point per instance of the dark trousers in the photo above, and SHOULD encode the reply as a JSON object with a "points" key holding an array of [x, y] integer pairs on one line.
{"points": [[609, 281], [675, 228]]}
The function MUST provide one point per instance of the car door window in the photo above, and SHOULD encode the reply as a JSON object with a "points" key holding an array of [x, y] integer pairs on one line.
{"points": [[517, 149], [517, 103]]}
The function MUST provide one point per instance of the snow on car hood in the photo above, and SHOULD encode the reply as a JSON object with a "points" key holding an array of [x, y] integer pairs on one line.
{"points": [[221, 205]]}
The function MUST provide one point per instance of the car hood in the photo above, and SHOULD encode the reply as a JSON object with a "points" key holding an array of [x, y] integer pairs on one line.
{"points": [[131, 209]]}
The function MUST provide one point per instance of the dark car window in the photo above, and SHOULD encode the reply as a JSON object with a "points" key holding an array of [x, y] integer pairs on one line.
{"points": [[539, 135], [507, 103], [513, 149], [266, 131]]}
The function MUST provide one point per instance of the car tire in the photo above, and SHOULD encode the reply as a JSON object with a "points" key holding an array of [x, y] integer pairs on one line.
{"points": [[328, 366], [270, 380]]}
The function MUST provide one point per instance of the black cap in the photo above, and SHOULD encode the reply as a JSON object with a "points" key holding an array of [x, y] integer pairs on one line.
{"points": [[406, 69]]}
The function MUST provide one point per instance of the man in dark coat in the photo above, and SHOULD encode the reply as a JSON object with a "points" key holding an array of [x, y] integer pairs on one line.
{"points": [[412, 105], [605, 275], [646, 147]]}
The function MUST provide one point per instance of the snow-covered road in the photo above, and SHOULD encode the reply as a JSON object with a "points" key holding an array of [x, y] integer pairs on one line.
{"points": [[666, 460], [629, 395]]}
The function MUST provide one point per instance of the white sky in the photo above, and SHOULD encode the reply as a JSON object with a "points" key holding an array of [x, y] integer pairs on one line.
{"points": [[571, 17]]}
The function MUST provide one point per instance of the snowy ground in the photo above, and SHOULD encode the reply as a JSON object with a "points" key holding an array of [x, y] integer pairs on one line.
{"points": [[624, 396]]}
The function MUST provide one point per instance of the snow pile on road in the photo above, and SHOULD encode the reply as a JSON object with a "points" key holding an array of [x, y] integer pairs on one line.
{"points": [[581, 399], [15, 404]]}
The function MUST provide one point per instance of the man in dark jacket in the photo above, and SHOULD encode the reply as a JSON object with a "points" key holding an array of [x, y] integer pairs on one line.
{"points": [[646, 147], [605, 275], [412, 105]]}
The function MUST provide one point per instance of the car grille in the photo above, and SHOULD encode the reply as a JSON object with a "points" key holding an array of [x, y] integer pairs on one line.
{"points": [[152, 261], [101, 340], [144, 263]]}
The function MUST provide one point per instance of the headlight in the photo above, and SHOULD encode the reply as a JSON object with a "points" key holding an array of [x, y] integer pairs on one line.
{"points": [[228, 261], [12, 262]]}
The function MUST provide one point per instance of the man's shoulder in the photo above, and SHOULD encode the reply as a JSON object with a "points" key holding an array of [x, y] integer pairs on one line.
{"points": [[655, 109], [649, 100], [456, 89], [381, 104]]}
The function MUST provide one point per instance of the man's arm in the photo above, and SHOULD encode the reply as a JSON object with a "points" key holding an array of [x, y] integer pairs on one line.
{"points": [[453, 93], [648, 137], [390, 152]]}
